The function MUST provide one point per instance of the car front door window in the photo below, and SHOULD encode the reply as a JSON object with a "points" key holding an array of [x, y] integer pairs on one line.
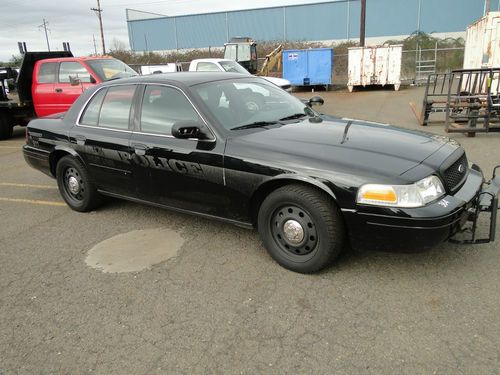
{"points": [[73, 69], [162, 107]]}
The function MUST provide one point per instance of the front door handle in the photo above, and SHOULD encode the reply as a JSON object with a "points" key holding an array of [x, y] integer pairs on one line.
{"points": [[80, 139], [59, 90], [140, 149]]}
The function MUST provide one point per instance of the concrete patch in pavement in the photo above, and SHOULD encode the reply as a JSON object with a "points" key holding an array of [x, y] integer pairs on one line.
{"points": [[134, 251]]}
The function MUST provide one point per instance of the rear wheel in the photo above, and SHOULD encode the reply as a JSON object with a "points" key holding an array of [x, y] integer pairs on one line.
{"points": [[6, 127], [75, 185], [301, 227]]}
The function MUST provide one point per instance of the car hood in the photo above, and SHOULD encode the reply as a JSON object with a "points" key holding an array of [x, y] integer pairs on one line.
{"points": [[370, 149], [278, 81]]}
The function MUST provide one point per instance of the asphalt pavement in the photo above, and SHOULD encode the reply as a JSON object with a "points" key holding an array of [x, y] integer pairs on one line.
{"points": [[219, 304]]}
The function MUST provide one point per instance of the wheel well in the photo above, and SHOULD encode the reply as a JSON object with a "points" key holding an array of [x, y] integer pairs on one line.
{"points": [[268, 187], [5, 117], [54, 159]]}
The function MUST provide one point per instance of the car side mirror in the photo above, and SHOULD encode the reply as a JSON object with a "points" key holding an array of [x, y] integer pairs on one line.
{"points": [[316, 100], [74, 81], [190, 130]]}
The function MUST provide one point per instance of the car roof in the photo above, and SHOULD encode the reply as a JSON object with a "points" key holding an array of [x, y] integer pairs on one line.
{"points": [[215, 60], [186, 78], [81, 58]]}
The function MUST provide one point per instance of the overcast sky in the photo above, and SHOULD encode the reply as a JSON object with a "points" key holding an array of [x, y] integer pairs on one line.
{"points": [[72, 20]]}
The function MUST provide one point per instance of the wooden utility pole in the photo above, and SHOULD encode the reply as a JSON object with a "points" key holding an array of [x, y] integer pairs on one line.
{"points": [[487, 7], [98, 12], [44, 26], [362, 24]]}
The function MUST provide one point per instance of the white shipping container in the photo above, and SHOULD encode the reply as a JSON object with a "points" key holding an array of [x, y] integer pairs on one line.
{"points": [[482, 49], [379, 65], [482, 43]]}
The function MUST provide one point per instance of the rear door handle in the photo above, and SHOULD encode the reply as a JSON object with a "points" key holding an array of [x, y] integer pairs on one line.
{"points": [[59, 90], [140, 149], [80, 139]]}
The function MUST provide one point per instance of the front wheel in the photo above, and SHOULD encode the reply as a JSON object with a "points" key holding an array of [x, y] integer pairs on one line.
{"points": [[6, 127], [75, 185], [301, 227]]}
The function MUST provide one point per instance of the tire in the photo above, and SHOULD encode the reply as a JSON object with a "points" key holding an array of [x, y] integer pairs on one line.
{"points": [[6, 127], [76, 186], [320, 233]]}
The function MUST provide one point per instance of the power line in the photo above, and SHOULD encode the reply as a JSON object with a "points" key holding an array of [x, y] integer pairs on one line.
{"points": [[98, 12], [44, 26]]}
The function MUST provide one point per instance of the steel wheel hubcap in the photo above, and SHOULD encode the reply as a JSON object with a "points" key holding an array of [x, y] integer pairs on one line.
{"points": [[293, 231], [73, 185]]}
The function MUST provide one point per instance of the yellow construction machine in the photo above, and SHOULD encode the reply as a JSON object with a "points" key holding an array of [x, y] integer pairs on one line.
{"points": [[244, 51]]}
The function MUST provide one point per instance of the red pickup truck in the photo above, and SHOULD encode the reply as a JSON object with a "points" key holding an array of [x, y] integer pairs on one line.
{"points": [[49, 82]]}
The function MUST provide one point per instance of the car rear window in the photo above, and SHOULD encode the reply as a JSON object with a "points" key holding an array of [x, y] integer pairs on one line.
{"points": [[47, 72], [109, 108], [91, 114], [115, 109], [207, 67]]}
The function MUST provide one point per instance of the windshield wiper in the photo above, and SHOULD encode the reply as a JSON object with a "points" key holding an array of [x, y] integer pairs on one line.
{"points": [[293, 117], [258, 124]]}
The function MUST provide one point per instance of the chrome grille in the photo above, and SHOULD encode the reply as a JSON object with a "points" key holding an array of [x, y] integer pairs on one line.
{"points": [[455, 174]]}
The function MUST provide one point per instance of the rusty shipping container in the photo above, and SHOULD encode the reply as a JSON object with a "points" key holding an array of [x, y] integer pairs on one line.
{"points": [[379, 65], [482, 43]]}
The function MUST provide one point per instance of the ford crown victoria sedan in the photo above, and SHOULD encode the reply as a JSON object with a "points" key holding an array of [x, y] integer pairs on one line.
{"points": [[238, 148]]}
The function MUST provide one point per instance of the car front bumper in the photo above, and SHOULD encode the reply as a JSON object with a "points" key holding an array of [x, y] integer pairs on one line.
{"points": [[419, 229]]}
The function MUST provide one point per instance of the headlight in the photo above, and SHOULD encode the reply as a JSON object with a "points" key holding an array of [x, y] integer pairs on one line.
{"points": [[415, 195]]}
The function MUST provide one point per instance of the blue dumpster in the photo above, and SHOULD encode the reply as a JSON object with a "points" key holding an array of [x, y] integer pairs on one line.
{"points": [[308, 67]]}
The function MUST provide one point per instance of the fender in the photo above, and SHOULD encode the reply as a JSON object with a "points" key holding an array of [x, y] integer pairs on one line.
{"points": [[62, 149], [267, 186], [299, 178]]}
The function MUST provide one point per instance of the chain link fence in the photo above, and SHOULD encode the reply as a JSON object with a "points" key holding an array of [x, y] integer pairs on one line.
{"points": [[416, 65]]}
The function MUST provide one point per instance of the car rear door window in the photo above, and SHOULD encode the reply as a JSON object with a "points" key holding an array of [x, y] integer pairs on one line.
{"points": [[75, 70], [116, 106], [162, 107], [207, 67], [47, 73], [91, 114]]}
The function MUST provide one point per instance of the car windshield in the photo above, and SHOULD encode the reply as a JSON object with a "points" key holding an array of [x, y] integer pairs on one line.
{"points": [[108, 69], [242, 104], [233, 67]]}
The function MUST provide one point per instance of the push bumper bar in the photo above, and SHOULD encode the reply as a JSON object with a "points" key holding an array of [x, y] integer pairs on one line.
{"points": [[485, 201]]}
